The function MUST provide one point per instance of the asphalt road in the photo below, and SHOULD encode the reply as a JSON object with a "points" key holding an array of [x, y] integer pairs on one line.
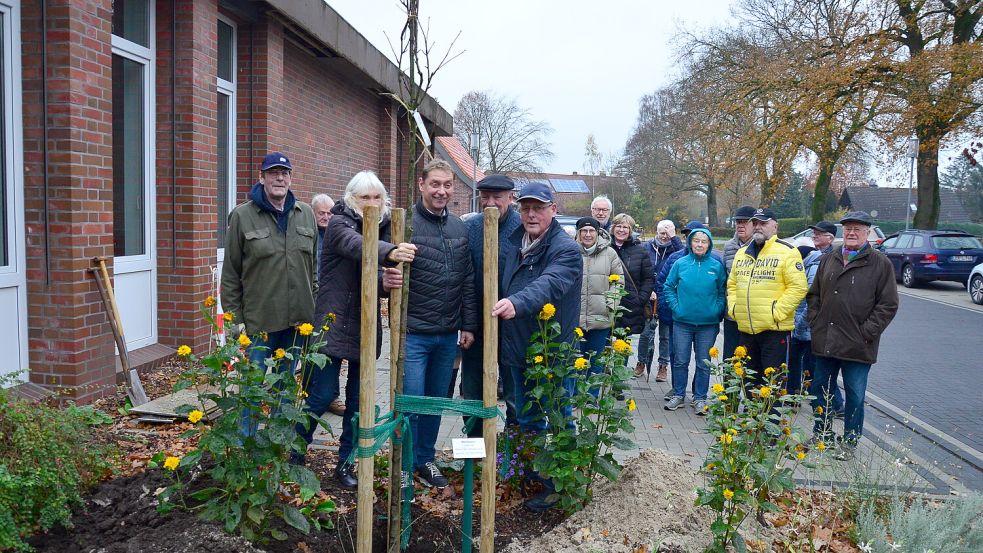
{"points": [[926, 385]]}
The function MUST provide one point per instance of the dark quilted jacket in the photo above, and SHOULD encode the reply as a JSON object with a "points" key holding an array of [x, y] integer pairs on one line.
{"points": [[442, 296], [639, 282]]}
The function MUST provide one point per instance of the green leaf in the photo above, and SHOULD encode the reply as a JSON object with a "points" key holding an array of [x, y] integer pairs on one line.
{"points": [[622, 442], [318, 359], [255, 514], [202, 495], [309, 484], [277, 534], [738, 542], [191, 459], [293, 517], [607, 468]]}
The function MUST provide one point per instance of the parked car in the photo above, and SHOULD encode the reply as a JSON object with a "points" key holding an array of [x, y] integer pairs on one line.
{"points": [[924, 255], [975, 284], [569, 223], [805, 237]]}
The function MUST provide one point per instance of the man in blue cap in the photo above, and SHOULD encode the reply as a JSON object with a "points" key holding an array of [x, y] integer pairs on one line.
{"points": [[541, 265], [268, 272]]}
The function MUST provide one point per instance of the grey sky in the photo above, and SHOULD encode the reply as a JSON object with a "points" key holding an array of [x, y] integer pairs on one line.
{"points": [[580, 65]]}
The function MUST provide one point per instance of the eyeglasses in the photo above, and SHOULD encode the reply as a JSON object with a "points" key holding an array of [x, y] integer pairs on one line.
{"points": [[600, 209], [275, 173], [534, 208]]}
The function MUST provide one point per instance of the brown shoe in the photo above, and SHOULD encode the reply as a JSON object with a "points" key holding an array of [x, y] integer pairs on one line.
{"points": [[639, 369], [337, 407], [661, 376]]}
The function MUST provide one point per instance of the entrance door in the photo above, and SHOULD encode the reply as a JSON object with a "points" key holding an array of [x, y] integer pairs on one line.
{"points": [[13, 283], [134, 205]]}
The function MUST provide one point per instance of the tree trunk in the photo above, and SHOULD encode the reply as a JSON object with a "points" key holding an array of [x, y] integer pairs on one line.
{"points": [[929, 201], [712, 205], [822, 189]]}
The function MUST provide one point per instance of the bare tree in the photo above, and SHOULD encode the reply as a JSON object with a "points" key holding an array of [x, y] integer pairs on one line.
{"points": [[511, 139]]}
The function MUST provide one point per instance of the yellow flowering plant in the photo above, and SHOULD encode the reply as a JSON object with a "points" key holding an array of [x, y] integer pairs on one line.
{"points": [[756, 449], [249, 469], [571, 397]]}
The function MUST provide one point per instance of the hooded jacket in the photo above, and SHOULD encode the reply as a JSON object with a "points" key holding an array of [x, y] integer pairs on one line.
{"points": [[695, 288], [765, 286], [268, 269], [599, 265], [551, 272], [658, 255], [665, 312], [639, 283]]}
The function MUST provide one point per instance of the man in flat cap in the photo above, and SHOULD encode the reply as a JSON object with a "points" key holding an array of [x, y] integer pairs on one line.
{"points": [[493, 191], [851, 302]]}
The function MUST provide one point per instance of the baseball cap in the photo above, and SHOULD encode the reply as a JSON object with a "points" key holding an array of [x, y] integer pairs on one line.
{"points": [[744, 212], [538, 191], [861, 217], [276, 159], [824, 226], [496, 182], [763, 214]]}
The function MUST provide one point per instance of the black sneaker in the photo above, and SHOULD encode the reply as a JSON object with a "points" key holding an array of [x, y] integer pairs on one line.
{"points": [[345, 474], [430, 476], [541, 502]]}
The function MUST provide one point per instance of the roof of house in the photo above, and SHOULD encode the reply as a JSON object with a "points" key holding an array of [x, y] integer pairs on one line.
{"points": [[565, 183], [450, 149], [890, 203]]}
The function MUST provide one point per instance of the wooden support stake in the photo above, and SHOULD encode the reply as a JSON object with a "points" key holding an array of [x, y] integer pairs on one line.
{"points": [[490, 387], [395, 453], [367, 355]]}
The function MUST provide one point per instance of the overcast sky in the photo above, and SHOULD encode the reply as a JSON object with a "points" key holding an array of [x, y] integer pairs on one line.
{"points": [[579, 65]]}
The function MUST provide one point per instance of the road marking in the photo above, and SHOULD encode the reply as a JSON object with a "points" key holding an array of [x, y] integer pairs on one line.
{"points": [[941, 302], [905, 418]]}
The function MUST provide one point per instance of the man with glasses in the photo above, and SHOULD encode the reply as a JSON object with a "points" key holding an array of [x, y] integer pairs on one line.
{"points": [[541, 265], [851, 302], [600, 209], [268, 272]]}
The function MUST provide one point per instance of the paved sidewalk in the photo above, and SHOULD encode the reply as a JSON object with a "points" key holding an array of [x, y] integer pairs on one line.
{"points": [[883, 457]]}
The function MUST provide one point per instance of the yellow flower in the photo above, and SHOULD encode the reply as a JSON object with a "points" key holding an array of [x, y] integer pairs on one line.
{"points": [[714, 352], [787, 430], [244, 341], [184, 351], [195, 416], [209, 301], [279, 353], [631, 405], [717, 388], [548, 311], [732, 431], [537, 359], [579, 332], [305, 329], [726, 439], [821, 446], [765, 392], [171, 463], [722, 397], [614, 278], [740, 351], [728, 495], [332, 317], [580, 363], [228, 316], [325, 328], [819, 410], [800, 455], [782, 392], [769, 371], [621, 346], [711, 466], [549, 376], [739, 370]]}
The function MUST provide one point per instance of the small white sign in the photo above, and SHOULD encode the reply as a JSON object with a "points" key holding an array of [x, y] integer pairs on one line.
{"points": [[469, 448]]}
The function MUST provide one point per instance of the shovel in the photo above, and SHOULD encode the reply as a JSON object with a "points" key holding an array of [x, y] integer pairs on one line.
{"points": [[134, 388]]}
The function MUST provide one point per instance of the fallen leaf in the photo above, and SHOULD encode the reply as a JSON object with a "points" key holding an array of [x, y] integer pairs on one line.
{"points": [[657, 426]]}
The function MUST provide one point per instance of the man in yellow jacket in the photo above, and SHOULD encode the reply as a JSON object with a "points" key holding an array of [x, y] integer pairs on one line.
{"points": [[765, 285]]}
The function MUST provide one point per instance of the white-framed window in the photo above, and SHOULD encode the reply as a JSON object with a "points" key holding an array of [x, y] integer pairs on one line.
{"points": [[226, 127]]}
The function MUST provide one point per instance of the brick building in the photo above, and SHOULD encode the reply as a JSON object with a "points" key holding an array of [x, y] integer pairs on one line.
{"points": [[132, 127]]}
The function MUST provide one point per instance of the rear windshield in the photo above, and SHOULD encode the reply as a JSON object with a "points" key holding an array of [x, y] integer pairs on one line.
{"points": [[955, 242]]}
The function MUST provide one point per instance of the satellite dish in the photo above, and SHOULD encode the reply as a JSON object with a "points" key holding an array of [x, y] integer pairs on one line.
{"points": [[873, 213]]}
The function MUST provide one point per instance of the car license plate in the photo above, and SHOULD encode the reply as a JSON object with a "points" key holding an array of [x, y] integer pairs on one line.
{"points": [[961, 258]]}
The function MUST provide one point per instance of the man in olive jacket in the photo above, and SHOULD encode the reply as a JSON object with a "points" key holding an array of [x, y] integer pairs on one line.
{"points": [[268, 272], [852, 300]]}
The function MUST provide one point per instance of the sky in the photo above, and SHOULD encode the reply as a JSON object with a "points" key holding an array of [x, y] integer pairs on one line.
{"points": [[580, 65]]}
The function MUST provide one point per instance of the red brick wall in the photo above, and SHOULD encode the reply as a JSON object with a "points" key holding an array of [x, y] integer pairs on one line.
{"points": [[71, 346]]}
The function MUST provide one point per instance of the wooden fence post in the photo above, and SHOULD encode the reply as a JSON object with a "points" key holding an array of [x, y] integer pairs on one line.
{"points": [[366, 376], [490, 377]]}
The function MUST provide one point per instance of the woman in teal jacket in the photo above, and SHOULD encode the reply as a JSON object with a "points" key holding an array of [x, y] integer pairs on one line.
{"points": [[696, 292]]}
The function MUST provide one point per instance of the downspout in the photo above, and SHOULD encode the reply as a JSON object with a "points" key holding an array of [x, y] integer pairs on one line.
{"points": [[44, 137], [173, 135]]}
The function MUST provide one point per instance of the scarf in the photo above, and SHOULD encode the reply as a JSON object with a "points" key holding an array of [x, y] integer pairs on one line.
{"points": [[850, 255], [529, 245]]}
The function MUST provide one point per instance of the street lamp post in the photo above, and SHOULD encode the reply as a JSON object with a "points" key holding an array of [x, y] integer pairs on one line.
{"points": [[475, 147], [913, 154]]}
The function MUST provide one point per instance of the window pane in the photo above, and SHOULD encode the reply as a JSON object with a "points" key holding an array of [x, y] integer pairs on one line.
{"points": [[130, 20], [226, 50], [4, 208], [128, 158], [223, 167]]}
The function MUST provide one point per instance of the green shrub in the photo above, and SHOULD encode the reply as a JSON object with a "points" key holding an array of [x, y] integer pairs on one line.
{"points": [[975, 229], [793, 225], [955, 526], [47, 460], [718, 232]]}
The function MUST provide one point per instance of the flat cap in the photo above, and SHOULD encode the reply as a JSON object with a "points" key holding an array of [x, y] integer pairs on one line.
{"points": [[744, 212], [861, 217], [496, 182], [824, 226]]}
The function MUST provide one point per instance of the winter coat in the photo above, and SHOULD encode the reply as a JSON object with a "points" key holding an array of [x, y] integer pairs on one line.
{"points": [[765, 286], [552, 272], [268, 270], [599, 265], [658, 255], [340, 284], [850, 307], [639, 283], [801, 331], [442, 296], [476, 243], [730, 250], [695, 288], [665, 312]]}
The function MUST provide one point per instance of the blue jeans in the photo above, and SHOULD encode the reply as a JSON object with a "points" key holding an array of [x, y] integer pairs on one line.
{"points": [[802, 368], [533, 420], [428, 368], [321, 385], [593, 344], [258, 352], [855, 384], [698, 339]]}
